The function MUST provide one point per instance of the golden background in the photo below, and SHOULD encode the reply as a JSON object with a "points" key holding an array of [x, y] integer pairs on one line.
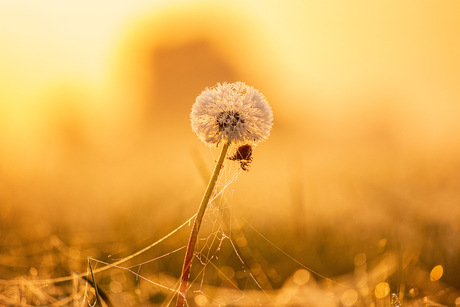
{"points": [[95, 135]]}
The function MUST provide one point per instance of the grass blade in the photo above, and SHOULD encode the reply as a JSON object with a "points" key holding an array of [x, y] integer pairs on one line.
{"points": [[98, 298]]}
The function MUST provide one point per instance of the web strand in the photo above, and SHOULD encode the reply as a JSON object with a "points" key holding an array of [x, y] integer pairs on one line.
{"points": [[295, 260], [99, 270]]}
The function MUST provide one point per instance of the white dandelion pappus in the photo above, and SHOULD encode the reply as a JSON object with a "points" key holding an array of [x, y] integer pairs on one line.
{"points": [[232, 112]]}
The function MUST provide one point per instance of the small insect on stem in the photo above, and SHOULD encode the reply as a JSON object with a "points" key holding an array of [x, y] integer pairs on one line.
{"points": [[244, 155]]}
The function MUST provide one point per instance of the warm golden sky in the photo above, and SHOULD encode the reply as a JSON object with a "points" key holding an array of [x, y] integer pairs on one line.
{"points": [[338, 68], [332, 48]]}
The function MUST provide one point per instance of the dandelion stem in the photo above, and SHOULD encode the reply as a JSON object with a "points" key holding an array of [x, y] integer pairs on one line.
{"points": [[196, 228]]}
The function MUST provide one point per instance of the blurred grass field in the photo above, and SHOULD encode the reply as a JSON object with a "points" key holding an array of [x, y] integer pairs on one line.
{"points": [[358, 182]]}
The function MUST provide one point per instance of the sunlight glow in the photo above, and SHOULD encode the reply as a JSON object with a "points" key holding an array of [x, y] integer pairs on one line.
{"points": [[95, 144]]}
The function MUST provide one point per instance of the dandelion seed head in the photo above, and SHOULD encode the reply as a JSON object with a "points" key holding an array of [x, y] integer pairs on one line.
{"points": [[232, 112]]}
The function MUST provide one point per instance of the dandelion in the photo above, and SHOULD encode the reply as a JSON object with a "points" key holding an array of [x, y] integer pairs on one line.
{"points": [[231, 114]]}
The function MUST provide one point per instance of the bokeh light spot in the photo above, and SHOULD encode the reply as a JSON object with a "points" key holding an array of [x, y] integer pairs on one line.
{"points": [[227, 272], [116, 287], [360, 259], [129, 299], [241, 241], [201, 300], [436, 273], [349, 297], [118, 276], [382, 290], [301, 277], [382, 244], [33, 271]]}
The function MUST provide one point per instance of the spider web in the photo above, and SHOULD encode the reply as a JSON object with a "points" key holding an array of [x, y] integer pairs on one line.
{"points": [[218, 228], [214, 279], [221, 230]]}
